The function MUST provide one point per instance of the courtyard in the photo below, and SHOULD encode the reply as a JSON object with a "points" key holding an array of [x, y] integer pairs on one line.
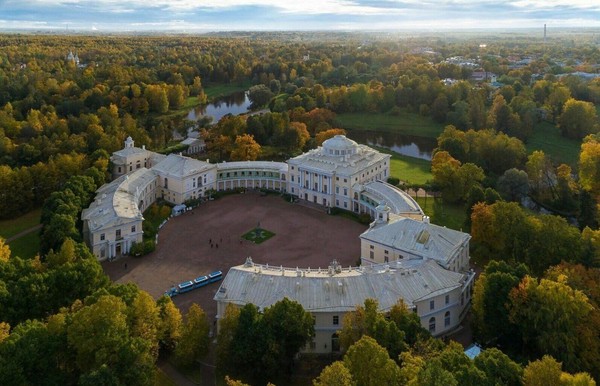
{"points": [[209, 238]]}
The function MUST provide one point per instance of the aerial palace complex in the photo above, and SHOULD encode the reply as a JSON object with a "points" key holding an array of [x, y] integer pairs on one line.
{"points": [[403, 255]]}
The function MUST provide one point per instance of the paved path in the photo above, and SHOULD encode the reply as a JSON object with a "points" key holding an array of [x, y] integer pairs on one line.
{"points": [[23, 233]]}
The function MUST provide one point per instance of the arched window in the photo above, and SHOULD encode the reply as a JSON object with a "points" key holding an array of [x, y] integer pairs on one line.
{"points": [[432, 325], [447, 319]]}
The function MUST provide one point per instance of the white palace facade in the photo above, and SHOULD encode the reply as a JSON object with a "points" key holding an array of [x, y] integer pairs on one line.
{"points": [[403, 255]]}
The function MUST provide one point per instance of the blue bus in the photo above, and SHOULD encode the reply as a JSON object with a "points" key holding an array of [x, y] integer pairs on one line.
{"points": [[201, 281], [215, 276], [185, 287], [171, 292]]}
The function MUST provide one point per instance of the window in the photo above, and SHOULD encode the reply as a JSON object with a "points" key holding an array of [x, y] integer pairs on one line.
{"points": [[372, 246], [432, 304], [432, 325], [119, 169], [336, 178], [193, 182], [386, 252], [292, 178], [118, 233], [345, 192], [102, 237], [372, 255], [166, 183], [337, 202], [336, 320], [292, 190], [345, 204], [337, 190], [447, 319], [447, 299], [133, 229], [345, 180]]}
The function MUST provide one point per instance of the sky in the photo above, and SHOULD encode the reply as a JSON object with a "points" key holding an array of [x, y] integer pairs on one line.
{"points": [[340, 15]]}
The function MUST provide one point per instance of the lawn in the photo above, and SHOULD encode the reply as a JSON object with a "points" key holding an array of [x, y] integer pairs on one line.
{"points": [[546, 137], [9, 228], [409, 170], [405, 123], [216, 90], [27, 246], [442, 213], [258, 235]]}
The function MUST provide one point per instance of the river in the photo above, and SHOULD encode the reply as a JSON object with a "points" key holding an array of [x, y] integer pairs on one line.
{"points": [[409, 145], [234, 104]]}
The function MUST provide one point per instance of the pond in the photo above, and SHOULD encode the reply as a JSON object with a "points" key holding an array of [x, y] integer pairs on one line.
{"points": [[409, 145], [234, 104]]}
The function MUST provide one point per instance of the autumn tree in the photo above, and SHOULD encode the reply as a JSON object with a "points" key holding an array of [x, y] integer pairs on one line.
{"points": [[245, 148], [323, 136]]}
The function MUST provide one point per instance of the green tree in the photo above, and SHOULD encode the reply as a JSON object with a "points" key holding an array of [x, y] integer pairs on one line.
{"points": [[499, 369], [171, 323], [194, 341], [336, 374], [513, 185], [558, 320], [578, 119], [370, 364], [543, 372]]}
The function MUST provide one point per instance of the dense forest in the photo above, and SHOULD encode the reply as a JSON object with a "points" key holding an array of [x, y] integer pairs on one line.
{"points": [[68, 102]]}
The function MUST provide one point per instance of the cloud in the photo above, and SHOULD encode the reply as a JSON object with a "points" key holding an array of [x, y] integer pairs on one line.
{"points": [[298, 14]]}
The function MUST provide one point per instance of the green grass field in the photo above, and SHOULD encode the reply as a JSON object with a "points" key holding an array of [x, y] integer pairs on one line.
{"points": [[27, 246], [408, 169], [546, 137], [215, 90], [9, 228], [441, 213], [405, 123]]}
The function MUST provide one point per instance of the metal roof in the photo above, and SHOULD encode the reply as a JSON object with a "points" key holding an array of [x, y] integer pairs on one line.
{"points": [[335, 289], [418, 237], [175, 165]]}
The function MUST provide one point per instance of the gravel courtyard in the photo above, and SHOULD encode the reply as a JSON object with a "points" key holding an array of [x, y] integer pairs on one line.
{"points": [[304, 237]]}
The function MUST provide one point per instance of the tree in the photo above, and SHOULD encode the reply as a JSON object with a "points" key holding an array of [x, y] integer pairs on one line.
{"points": [[433, 374], [194, 341], [368, 321], [259, 95], [245, 148], [499, 369], [578, 119], [97, 331], [513, 185], [543, 372], [4, 251], [323, 136], [490, 302], [227, 329], [558, 320], [170, 323], [336, 374], [290, 328], [370, 364], [589, 165]]}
